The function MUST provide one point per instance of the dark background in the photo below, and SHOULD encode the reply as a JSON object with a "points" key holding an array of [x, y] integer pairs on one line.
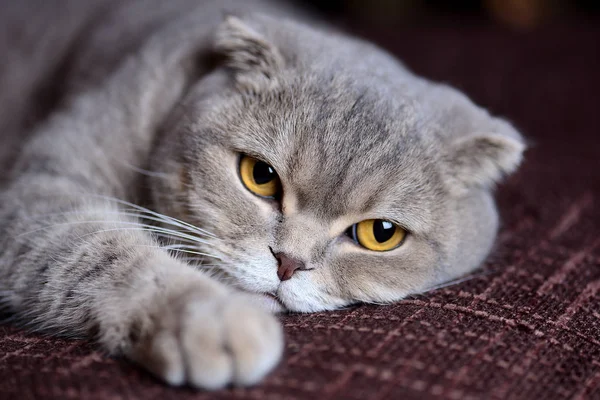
{"points": [[515, 14]]}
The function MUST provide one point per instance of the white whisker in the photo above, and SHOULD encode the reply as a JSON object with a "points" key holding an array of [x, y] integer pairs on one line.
{"points": [[145, 172], [174, 250], [129, 214], [180, 246], [144, 227], [159, 215]]}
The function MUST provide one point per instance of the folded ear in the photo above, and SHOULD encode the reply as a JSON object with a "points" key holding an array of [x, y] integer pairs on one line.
{"points": [[481, 160], [246, 51]]}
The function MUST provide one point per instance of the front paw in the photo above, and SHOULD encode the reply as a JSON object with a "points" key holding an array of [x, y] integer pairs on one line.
{"points": [[211, 342]]}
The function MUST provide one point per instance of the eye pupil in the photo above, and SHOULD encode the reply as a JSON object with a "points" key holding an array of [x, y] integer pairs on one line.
{"points": [[383, 230], [263, 173]]}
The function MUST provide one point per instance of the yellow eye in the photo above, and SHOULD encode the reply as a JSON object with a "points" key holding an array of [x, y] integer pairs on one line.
{"points": [[377, 234], [259, 177]]}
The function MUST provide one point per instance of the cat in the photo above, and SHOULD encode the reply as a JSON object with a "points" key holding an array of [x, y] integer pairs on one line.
{"points": [[181, 171]]}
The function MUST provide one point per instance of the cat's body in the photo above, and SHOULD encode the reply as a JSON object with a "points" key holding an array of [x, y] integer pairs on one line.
{"points": [[350, 136]]}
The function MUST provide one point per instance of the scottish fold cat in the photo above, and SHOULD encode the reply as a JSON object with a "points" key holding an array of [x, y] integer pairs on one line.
{"points": [[177, 172]]}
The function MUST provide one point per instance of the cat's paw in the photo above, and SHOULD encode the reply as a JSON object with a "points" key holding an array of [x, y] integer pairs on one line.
{"points": [[211, 343]]}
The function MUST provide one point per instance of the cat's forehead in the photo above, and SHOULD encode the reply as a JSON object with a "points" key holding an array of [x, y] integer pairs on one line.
{"points": [[341, 150]]}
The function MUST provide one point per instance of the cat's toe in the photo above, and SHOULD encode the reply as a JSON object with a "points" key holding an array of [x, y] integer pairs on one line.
{"points": [[161, 355], [255, 340], [168, 360], [208, 361]]}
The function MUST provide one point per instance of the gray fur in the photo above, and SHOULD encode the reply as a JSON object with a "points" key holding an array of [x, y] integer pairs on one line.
{"points": [[154, 108]]}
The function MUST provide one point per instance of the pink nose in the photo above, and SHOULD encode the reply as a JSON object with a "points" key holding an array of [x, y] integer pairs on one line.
{"points": [[287, 266]]}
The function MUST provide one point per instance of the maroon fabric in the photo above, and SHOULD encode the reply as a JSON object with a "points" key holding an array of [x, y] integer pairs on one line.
{"points": [[527, 327]]}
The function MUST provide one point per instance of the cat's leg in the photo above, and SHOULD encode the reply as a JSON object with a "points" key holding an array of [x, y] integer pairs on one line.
{"points": [[82, 278], [76, 262]]}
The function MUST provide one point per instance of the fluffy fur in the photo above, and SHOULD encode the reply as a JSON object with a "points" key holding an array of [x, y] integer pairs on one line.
{"points": [[123, 216]]}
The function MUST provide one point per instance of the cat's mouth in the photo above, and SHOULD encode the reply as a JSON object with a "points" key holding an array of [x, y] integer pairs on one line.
{"points": [[268, 300]]}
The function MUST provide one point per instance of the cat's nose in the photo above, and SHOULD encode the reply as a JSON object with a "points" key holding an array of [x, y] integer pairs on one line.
{"points": [[287, 266]]}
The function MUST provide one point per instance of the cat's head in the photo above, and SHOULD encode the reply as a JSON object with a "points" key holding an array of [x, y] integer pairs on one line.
{"points": [[328, 173]]}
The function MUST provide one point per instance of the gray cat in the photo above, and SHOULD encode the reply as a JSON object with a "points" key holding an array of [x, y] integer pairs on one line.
{"points": [[177, 176]]}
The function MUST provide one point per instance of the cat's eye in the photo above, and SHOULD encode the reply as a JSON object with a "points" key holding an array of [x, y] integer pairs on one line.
{"points": [[259, 177], [377, 234]]}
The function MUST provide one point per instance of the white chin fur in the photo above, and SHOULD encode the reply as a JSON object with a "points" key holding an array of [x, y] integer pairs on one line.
{"points": [[301, 295], [266, 302]]}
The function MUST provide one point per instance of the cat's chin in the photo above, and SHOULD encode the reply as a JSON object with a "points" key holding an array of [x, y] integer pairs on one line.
{"points": [[268, 302], [273, 303]]}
